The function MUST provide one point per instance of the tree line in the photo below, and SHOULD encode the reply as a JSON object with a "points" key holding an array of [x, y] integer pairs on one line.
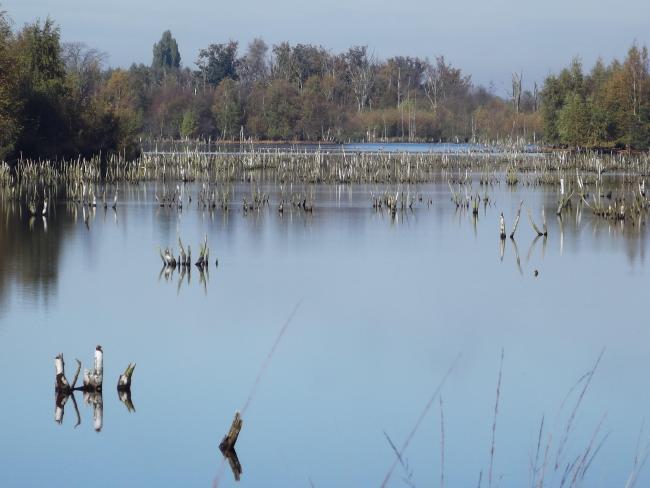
{"points": [[59, 99], [609, 107]]}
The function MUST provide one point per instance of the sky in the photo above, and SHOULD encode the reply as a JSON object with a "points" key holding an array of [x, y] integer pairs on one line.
{"points": [[488, 39]]}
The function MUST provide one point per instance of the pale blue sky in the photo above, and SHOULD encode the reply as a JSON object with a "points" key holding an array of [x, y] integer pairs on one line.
{"points": [[487, 38]]}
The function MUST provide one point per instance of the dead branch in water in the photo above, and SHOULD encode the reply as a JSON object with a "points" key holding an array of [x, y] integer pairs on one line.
{"points": [[514, 227], [532, 223]]}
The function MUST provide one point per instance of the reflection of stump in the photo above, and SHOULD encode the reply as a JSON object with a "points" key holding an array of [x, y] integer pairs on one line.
{"points": [[95, 399], [227, 446], [233, 460], [59, 408], [125, 398]]}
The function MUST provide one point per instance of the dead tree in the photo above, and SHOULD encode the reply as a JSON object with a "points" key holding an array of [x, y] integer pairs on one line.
{"points": [[433, 86], [361, 74], [516, 90]]}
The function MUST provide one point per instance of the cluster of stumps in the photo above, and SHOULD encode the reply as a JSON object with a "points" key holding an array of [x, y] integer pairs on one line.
{"points": [[185, 259], [92, 388]]}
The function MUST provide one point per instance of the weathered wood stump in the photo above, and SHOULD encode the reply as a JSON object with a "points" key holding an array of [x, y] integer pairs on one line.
{"points": [[94, 378], [230, 438], [227, 446], [124, 381]]}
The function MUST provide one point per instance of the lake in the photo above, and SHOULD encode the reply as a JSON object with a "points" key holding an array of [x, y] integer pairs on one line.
{"points": [[332, 332]]}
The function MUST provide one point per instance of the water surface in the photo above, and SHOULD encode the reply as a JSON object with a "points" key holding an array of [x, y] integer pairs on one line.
{"points": [[385, 306]]}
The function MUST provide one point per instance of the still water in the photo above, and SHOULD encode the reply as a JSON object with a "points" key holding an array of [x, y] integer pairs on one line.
{"points": [[383, 308]]}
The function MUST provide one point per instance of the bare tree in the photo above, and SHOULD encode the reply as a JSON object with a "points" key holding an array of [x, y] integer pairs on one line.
{"points": [[361, 74], [433, 85], [516, 90], [84, 64], [254, 65]]}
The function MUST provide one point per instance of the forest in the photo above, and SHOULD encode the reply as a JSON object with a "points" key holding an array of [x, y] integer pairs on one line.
{"points": [[61, 100]]}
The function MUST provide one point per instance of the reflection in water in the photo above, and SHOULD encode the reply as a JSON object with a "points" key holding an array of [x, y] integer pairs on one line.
{"points": [[516, 250], [125, 398], [30, 251], [167, 272], [354, 257], [60, 400], [96, 400]]}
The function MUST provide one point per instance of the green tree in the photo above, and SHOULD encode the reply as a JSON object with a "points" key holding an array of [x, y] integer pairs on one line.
{"points": [[227, 108], [190, 124], [44, 91], [556, 92], [574, 121], [217, 62], [9, 104], [166, 56], [315, 118], [282, 110]]}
